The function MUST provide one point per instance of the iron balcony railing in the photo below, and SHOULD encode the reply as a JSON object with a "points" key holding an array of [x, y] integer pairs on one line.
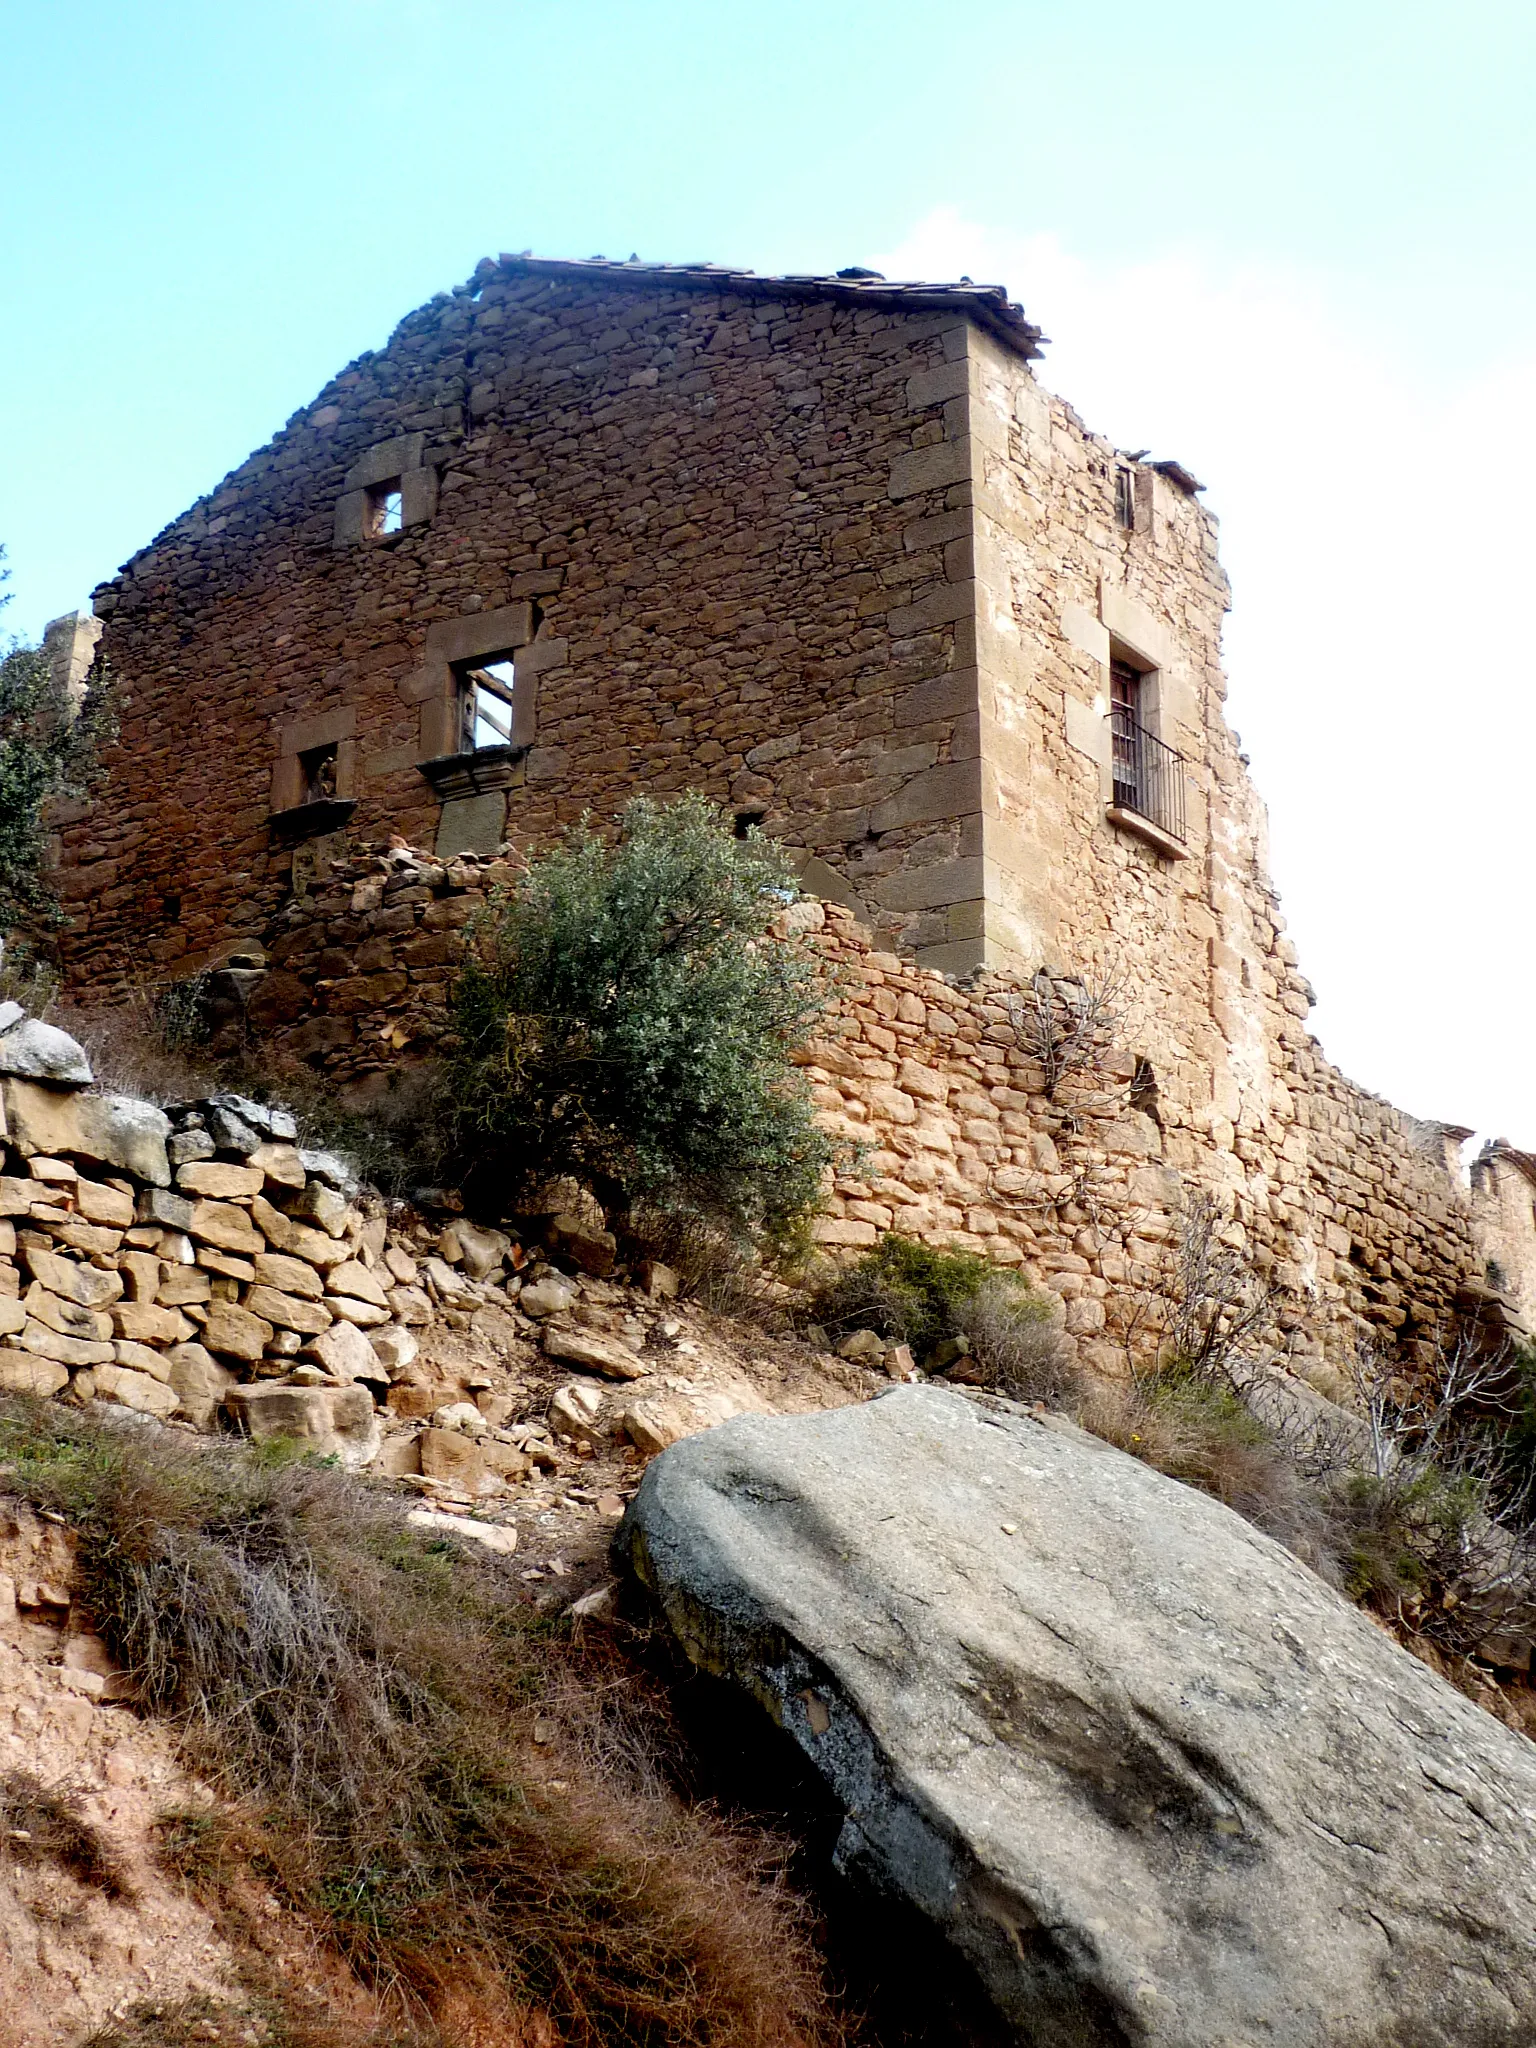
{"points": [[1148, 776]]}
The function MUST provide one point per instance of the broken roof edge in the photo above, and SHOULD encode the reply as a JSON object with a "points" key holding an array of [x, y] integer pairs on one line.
{"points": [[988, 304]]}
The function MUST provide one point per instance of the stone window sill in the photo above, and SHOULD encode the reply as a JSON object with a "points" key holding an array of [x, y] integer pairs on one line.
{"points": [[311, 820], [1143, 828], [474, 774]]}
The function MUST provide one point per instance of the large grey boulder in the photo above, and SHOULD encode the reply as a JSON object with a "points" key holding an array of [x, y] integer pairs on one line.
{"points": [[1153, 1778]]}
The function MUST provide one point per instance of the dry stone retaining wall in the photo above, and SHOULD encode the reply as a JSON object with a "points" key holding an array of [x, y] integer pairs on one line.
{"points": [[1354, 1208]]}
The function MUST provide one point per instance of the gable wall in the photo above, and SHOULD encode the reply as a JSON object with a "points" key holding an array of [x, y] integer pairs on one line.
{"points": [[693, 491]]}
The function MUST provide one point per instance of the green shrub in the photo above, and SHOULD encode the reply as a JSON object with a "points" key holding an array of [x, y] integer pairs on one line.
{"points": [[623, 1020], [915, 1294], [907, 1290]]}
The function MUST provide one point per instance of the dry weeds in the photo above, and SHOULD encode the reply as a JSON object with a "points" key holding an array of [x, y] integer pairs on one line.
{"points": [[369, 1701]]}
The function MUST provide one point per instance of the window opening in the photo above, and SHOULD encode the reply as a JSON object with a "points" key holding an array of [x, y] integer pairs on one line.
{"points": [[745, 820], [386, 509], [1144, 1091], [485, 705], [318, 768], [1125, 709], [1148, 776], [1125, 499]]}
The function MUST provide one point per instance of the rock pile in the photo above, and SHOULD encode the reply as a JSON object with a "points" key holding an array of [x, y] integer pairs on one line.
{"points": [[198, 1265]]}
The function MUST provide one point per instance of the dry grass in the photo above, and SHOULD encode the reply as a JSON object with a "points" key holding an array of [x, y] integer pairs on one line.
{"points": [[41, 1824], [1203, 1434], [132, 1052], [369, 1697]]}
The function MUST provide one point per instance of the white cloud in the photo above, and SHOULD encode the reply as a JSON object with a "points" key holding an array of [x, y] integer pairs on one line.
{"points": [[1378, 523]]}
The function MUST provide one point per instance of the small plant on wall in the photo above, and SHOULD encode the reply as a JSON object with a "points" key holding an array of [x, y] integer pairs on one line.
{"points": [[622, 1020]]}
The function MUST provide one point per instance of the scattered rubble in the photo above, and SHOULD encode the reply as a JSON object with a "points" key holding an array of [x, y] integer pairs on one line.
{"points": [[200, 1267]]}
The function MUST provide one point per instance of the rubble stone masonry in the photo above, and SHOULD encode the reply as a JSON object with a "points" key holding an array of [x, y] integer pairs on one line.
{"points": [[825, 549], [1356, 1210]]}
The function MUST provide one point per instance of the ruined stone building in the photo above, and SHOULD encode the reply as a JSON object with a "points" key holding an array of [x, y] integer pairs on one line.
{"points": [[826, 549]]}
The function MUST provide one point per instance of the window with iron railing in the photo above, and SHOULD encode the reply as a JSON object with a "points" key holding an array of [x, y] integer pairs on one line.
{"points": [[1147, 774]]}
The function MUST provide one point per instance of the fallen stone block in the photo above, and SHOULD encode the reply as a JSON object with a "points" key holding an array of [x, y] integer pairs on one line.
{"points": [[394, 1347], [490, 1535], [288, 1311], [399, 1458], [337, 1421], [234, 1332], [89, 1286], [345, 1353], [575, 1410], [548, 1297], [593, 1349], [506, 1461], [656, 1420], [586, 1246], [25, 1372], [138, 1390], [448, 1455], [410, 1305], [480, 1251]]}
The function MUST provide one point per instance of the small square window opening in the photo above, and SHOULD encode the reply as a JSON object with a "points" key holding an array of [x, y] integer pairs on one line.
{"points": [[318, 768], [386, 509], [485, 705]]}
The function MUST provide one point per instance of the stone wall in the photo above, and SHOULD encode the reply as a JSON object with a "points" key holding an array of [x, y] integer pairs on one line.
{"points": [[196, 1264], [1356, 1210], [1503, 1189], [706, 519]]}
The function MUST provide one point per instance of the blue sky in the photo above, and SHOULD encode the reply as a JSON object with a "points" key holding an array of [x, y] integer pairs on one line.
{"points": [[1290, 244]]}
